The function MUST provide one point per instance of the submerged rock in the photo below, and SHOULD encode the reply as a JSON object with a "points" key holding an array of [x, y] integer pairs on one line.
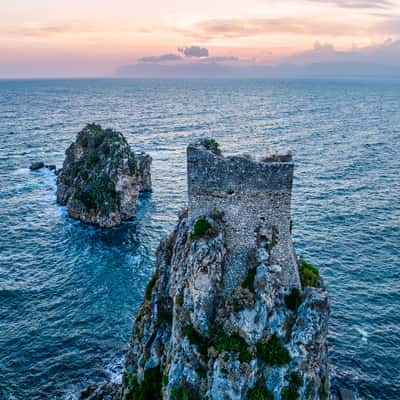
{"points": [[346, 394], [36, 165], [111, 391], [231, 312], [101, 177], [51, 167], [40, 164]]}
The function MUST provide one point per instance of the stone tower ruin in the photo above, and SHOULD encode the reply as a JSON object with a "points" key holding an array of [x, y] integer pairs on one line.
{"points": [[255, 200]]}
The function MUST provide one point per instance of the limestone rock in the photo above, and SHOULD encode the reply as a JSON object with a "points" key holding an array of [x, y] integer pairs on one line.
{"points": [[51, 167], [101, 177], [36, 165], [144, 172], [104, 391], [230, 313]]}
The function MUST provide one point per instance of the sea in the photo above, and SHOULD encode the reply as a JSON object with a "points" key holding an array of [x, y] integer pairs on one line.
{"points": [[69, 292]]}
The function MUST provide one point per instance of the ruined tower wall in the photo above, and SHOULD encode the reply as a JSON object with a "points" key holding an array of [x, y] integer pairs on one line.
{"points": [[255, 198]]}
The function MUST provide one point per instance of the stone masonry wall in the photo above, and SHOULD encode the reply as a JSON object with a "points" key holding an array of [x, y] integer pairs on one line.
{"points": [[255, 199]]}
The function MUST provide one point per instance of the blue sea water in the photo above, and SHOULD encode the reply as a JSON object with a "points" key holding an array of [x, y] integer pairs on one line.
{"points": [[68, 292]]}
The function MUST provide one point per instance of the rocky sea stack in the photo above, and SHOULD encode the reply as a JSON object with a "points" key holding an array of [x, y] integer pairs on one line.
{"points": [[101, 177], [231, 312]]}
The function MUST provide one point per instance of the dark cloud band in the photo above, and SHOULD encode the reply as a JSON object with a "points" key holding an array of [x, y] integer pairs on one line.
{"points": [[193, 51]]}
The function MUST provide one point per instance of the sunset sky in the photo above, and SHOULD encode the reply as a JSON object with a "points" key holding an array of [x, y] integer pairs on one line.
{"points": [[95, 37]]}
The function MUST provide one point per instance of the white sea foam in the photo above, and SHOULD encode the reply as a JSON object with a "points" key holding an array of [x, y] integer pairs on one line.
{"points": [[363, 333], [72, 393], [20, 171], [114, 369]]}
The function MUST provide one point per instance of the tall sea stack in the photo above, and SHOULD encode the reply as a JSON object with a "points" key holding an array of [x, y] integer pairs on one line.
{"points": [[231, 312], [101, 177]]}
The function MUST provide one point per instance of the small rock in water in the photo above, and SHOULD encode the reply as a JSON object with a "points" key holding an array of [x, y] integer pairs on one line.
{"points": [[36, 165], [346, 394], [51, 167], [105, 391]]}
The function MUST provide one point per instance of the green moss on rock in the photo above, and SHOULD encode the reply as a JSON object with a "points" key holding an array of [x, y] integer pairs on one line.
{"points": [[150, 287], [148, 389], [259, 393], [196, 338], [273, 352], [180, 393], [233, 343], [132, 163], [212, 144], [248, 282], [291, 392], [98, 193], [200, 229], [179, 300], [219, 340], [309, 275], [293, 299]]}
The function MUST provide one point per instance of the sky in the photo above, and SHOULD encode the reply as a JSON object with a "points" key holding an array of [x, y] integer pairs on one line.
{"points": [[82, 38]]}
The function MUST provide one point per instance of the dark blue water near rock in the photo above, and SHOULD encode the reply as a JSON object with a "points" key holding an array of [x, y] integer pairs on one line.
{"points": [[68, 292]]}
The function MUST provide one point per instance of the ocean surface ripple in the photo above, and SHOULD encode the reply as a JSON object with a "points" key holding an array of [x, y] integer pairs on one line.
{"points": [[68, 292]]}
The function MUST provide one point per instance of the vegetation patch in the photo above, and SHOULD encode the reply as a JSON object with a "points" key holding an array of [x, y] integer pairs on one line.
{"points": [[195, 338], [108, 147], [180, 393], [201, 228], [148, 389], [150, 286], [93, 135], [132, 164], [179, 300], [273, 352], [259, 393], [323, 392], [83, 174], [309, 275], [90, 133], [245, 356], [310, 389], [99, 193], [91, 158], [234, 343], [291, 392], [248, 282], [212, 144], [183, 393], [164, 380], [164, 312], [293, 299], [218, 339]]}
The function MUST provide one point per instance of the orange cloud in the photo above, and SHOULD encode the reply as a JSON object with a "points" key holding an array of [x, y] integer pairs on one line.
{"points": [[359, 4], [231, 28]]}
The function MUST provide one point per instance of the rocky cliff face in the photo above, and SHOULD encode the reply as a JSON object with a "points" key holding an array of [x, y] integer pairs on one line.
{"points": [[101, 177], [144, 172], [200, 334]]}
